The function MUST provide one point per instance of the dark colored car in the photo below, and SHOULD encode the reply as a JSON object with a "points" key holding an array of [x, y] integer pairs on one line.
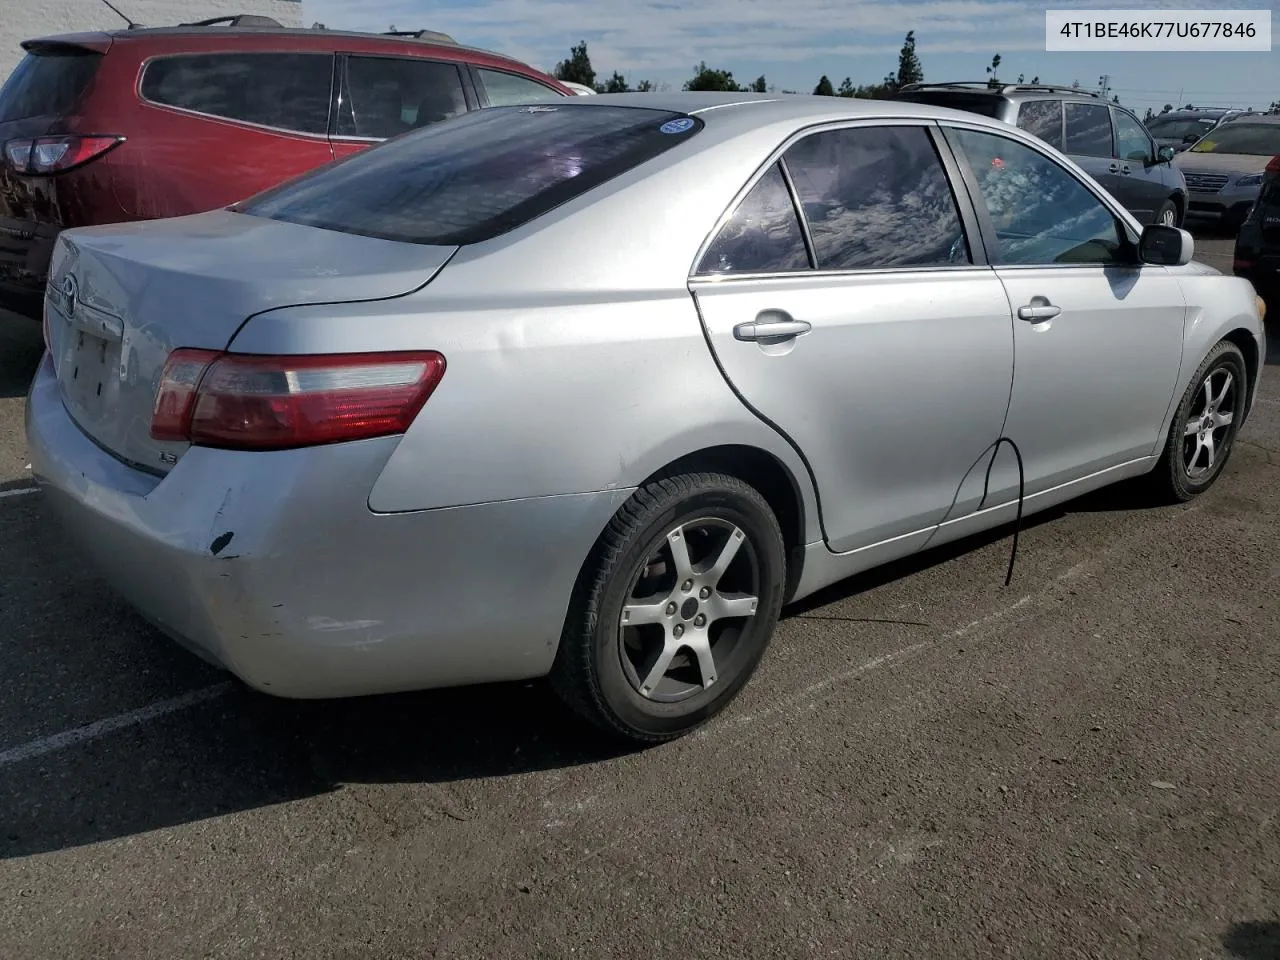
{"points": [[1105, 139], [1181, 128], [140, 124], [1257, 255]]}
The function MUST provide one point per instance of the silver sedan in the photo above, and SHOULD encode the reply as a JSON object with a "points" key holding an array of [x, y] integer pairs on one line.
{"points": [[591, 389]]}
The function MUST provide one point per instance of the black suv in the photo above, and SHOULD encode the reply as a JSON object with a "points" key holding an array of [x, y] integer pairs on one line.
{"points": [[1105, 139], [1258, 244]]}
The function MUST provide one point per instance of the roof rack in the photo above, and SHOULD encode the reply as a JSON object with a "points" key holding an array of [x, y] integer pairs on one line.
{"points": [[1004, 87], [431, 36], [239, 20]]}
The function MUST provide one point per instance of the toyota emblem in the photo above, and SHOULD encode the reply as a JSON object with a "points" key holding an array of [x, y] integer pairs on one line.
{"points": [[69, 291]]}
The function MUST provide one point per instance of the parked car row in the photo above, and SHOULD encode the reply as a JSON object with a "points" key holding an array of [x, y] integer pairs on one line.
{"points": [[146, 123], [588, 388]]}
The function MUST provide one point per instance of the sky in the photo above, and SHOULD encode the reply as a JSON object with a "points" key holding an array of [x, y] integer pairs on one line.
{"points": [[795, 42]]}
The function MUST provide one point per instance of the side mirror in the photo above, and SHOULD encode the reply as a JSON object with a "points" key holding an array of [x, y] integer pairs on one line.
{"points": [[1166, 246], [1166, 154]]}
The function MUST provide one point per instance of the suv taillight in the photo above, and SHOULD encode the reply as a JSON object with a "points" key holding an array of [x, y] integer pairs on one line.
{"points": [[46, 156], [251, 402]]}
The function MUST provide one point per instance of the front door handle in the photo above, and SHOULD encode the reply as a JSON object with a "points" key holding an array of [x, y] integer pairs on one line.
{"points": [[771, 329], [1039, 309], [1114, 168]]}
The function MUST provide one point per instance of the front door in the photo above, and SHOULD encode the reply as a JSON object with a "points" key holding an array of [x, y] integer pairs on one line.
{"points": [[1140, 169], [889, 365], [1097, 336]]}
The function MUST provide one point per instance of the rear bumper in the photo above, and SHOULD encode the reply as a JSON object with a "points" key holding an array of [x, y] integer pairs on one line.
{"points": [[274, 567]]}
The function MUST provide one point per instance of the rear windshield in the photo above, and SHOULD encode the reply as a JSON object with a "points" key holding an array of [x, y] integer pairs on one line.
{"points": [[47, 83], [986, 106], [476, 176]]}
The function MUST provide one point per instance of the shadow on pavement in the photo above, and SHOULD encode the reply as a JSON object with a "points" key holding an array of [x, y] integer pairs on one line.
{"points": [[1253, 941], [21, 344]]}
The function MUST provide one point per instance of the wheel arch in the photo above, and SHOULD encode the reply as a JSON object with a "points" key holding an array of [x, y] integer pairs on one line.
{"points": [[1248, 345]]}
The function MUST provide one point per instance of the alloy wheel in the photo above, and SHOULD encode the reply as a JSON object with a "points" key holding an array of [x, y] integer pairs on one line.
{"points": [[1207, 432]]}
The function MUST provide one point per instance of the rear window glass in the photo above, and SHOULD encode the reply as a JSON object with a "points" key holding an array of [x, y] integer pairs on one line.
{"points": [[47, 84], [476, 176], [288, 91]]}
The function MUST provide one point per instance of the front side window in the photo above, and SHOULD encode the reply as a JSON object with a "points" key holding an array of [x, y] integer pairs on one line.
{"points": [[476, 176], [1041, 213], [763, 234], [387, 96], [1132, 142], [1088, 130], [876, 197], [288, 91], [505, 89], [1043, 119]]}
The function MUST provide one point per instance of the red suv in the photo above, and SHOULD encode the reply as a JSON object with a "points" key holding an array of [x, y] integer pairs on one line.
{"points": [[145, 123]]}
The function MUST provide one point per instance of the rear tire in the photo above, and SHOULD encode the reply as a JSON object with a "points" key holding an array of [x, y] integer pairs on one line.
{"points": [[674, 608], [1204, 427]]}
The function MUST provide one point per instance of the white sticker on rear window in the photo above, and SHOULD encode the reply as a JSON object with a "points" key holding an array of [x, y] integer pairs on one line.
{"points": [[541, 109], [676, 126]]}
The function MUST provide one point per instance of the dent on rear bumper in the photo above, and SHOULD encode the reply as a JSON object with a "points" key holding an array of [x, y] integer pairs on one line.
{"points": [[273, 566]]}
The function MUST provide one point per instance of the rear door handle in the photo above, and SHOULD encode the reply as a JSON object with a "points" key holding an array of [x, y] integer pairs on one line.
{"points": [[1036, 312], [771, 329]]}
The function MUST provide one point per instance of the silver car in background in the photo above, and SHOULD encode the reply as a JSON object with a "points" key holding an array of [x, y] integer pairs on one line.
{"points": [[591, 388], [1224, 169]]}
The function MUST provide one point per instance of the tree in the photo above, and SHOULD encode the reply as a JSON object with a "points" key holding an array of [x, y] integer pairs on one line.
{"points": [[846, 88], [704, 78], [993, 70], [644, 86], [1166, 108], [759, 85], [1189, 107], [1275, 107], [1149, 116], [909, 69], [318, 26], [615, 84], [824, 88], [577, 69]]}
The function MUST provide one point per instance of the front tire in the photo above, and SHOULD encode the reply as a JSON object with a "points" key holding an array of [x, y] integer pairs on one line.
{"points": [[1167, 215], [1204, 427], [674, 608]]}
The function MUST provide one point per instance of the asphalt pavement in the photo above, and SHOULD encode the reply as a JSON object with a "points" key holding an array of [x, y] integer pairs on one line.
{"points": [[928, 764]]}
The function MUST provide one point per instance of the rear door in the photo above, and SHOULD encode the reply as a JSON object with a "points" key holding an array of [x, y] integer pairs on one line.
{"points": [[869, 331], [381, 97], [1089, 140], [223, 126]]}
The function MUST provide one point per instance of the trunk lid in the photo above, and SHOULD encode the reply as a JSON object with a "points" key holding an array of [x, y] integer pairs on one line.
{"points": [[121, 298]]}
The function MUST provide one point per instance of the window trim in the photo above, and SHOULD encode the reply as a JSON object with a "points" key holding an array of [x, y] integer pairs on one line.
{"points": [[969, 221], [343, 57], [1132, 231], [482, 92], [188, 112]]}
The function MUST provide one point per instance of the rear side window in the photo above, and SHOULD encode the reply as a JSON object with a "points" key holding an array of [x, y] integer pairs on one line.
{"points": [[387, 96], [1043, 119], [763, 234], [1088, 130], [48, 83], [478, 175], [505, 89], [876, 197], [288, 91]]}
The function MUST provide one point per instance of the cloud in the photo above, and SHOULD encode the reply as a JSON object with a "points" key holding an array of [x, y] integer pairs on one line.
{"points": [[641, 37]]}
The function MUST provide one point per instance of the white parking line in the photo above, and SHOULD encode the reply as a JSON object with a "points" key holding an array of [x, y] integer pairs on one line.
{"points": [[18, 492], [100, 728]]}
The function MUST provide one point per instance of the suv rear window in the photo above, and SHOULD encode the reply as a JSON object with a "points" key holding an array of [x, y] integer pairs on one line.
{"points": [[476, 176], [48, 83], [287, 91]]}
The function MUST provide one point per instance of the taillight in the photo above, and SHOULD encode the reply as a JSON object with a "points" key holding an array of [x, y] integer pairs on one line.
{"points": [[249, 402], [1273, 165], [45, 156]]}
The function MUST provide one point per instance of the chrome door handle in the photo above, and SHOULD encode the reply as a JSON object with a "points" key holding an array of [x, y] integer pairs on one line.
{"points": [[1037, 312], [771, 329]]}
